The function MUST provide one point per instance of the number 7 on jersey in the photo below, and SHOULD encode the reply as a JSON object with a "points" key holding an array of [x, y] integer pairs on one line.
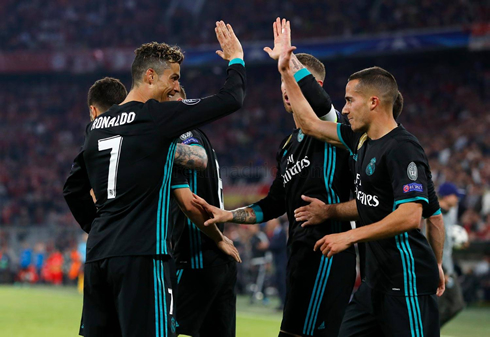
{"points": [[114, 144]]}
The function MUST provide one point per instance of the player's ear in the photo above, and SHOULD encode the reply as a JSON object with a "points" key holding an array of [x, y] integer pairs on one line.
{"points": [[93, 113], [374, 102], [151, 76]]}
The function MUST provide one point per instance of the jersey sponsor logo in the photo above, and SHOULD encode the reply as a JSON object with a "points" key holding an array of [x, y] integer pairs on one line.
{"points": [[301, 136], [104, 122], [186, 135], [413, 187], [192, 101], [371, 167], [298, 166], [190, 140], [412, 171], [365, 199]]}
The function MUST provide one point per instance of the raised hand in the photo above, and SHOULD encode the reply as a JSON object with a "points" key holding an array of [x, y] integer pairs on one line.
{"points": [[231, 47], [216, 215], [286, 49], [314, 213], [227, 247], [277, 28]]}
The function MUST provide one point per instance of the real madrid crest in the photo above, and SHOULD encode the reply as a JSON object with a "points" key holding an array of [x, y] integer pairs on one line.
{"points": [[371, 167], [412, 171], [301, 135]]}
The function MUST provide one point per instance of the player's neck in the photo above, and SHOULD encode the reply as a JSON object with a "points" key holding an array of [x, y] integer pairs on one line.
{"points": [[136, 95], [381, 126]]}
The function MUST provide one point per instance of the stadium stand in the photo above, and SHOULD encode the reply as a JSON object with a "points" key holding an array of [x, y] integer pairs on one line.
{"points": [[35, 25]]}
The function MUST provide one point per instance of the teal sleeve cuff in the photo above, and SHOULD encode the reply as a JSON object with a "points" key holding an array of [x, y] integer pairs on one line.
{"points": [[437, 212], [300, 74], [196, 144], [259, 215], [175, 187], [237, 61]]}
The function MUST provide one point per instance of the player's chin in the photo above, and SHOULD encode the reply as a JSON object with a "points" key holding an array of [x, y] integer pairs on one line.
{"points": [[287, 107]]}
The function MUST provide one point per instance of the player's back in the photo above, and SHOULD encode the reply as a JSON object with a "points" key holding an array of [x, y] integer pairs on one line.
{"points": [[129, 164]]}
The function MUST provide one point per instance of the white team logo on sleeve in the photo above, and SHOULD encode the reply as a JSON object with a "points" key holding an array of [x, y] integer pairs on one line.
{"points": [[412, 171], [186, 135], [192, 101]]}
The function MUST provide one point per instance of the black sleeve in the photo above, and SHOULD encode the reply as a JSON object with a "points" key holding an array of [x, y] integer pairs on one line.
{"points": [[407, 167], [349, 138], [179, 180], [175, 118], [274, 204], [433, 207], [77, 194], [315, 95]]}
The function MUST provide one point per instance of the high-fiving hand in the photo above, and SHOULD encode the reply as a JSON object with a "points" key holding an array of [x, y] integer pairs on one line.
{"points": [[278, 29], [231, 48], [286, 48]]}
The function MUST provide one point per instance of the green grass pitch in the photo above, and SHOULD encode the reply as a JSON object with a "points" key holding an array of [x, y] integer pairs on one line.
{"points": [[55, 312]]}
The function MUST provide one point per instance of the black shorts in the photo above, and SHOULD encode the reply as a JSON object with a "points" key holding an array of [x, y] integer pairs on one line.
{"points": [[206, 301], [373, 313], [128, 296], [318, 290]]}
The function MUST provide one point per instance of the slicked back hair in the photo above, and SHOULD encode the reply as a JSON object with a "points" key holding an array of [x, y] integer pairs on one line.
{"points": [[316, 67], [398, 106], [106, 92], [378, 79], [156, 56]]}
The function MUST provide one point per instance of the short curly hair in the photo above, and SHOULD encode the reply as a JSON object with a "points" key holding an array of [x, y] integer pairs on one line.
{"points": [[156, 56]]}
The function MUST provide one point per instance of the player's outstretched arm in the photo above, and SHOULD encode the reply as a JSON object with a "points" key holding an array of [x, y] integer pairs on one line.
{"points": [[244, 215], [191, 157], [435, 236], [405, 218], [312, 90], [184, 199], [317, 212], [176, 117], [303, 113]]}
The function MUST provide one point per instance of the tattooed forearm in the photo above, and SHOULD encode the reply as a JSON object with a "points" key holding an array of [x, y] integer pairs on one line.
{"points": [[191, 157], [244, 215], [295, 64]]}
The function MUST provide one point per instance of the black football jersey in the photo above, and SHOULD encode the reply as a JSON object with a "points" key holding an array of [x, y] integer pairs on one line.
{"points": [[191, 247], [391, 171], [307, 166], [127, 158]]}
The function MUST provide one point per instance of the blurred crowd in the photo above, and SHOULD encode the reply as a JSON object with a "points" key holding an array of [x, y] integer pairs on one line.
{"points": [[63, 24], [55, 261]]}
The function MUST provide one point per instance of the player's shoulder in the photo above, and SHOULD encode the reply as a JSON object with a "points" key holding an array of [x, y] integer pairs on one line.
{"points": [[403, 141]]}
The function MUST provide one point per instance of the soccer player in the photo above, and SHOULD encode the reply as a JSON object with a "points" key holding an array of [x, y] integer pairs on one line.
{"points": [[205, 297], [397, 297], [318, 287], [451, 302], [127, 158]]}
